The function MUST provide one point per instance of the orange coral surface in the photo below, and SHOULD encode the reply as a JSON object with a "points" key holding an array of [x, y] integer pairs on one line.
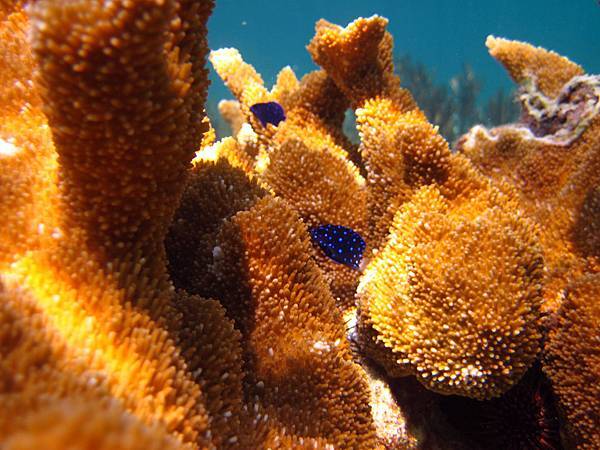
{"points": [[159, 289]]}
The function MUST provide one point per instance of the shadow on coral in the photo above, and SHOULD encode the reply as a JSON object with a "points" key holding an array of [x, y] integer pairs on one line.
{"points": [[524, 418]]}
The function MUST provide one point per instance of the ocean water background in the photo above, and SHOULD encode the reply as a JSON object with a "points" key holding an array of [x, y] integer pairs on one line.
{"points": [[441, 34]]}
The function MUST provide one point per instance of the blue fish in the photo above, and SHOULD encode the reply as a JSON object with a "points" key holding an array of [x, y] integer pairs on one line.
{"points": [[342, 244], [268, 112]]}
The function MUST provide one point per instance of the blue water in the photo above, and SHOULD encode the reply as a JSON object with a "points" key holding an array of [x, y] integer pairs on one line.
{"points": [[443, 35]]}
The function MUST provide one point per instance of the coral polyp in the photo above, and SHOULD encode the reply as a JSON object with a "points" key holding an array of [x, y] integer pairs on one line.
{"points": [[162, 289]]}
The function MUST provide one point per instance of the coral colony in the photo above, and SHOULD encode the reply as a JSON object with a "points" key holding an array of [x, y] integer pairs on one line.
{"points": [[163, 290]]}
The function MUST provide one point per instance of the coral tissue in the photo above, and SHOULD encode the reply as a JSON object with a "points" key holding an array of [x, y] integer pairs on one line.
{"points": [[160, 289]]}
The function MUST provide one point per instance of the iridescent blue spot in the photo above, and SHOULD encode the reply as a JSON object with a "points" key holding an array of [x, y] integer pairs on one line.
{"points": [[342, 244], [268, 112]]}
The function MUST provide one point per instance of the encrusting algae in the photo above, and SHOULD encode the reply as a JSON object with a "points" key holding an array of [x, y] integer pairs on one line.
{"points": [[160, 289]]}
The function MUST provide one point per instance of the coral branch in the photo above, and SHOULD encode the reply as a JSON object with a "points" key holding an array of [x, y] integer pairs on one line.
{"points": [[572, 361], [298, 358], [547, 70], [430, 296], [551, 158], [123, 93]]}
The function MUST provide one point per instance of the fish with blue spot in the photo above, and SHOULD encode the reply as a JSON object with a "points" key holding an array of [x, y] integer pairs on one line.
{"points": [[341, 244]]}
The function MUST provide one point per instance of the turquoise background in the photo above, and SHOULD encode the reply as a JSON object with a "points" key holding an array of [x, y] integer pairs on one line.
{"points": [[440, 34]]}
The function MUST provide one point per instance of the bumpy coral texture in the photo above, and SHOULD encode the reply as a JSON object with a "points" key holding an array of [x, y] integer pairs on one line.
{"points": [[433, 319], [572, 361], [159, 289], [455, 290], [298, 358], [304, 159], [491, 332], [97, 347], [524, 62], [80, 259], [551, 157]]}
